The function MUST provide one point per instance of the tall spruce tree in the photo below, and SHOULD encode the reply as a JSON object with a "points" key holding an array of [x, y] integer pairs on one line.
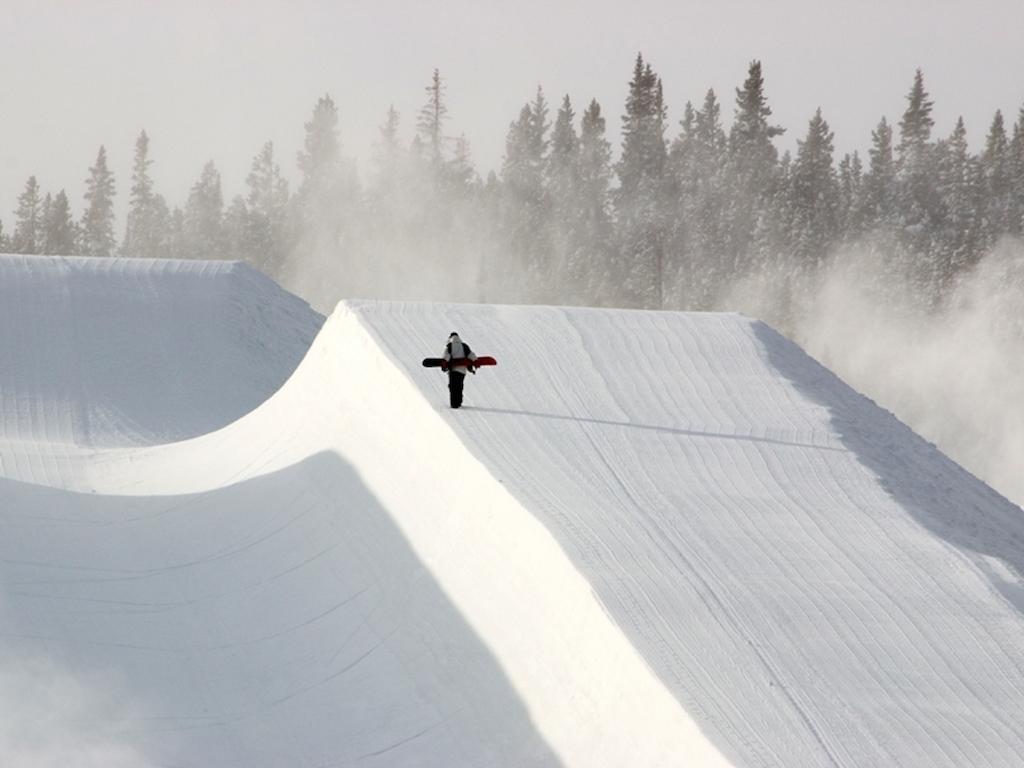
{"points": [[997, 170], [389, 156], [28, 220], [326, 203], [562, 171], [880, 180], [959, 240], [59, 231], [203, 222], [814, 196], [144, 236], [262, 232], [238, 232], [699, 167], [640, 205], [97, 229], [594, 267], [1017, 174], [525, 216], [431, 120], [917, 201], [851, 193], [753, 166]]}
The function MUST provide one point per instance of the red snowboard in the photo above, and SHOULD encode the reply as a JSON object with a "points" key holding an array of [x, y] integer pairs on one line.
{"points": [[440, 362]]}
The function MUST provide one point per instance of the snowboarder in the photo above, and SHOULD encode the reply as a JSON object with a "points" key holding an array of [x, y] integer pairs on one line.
{"points": [[458, 359]]}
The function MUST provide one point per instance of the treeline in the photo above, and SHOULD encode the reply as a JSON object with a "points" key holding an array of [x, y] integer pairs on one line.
{"points": [[675, 220]]}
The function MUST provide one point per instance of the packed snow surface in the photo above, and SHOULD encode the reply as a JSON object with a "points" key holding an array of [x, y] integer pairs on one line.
{"points": [[649, 539]]}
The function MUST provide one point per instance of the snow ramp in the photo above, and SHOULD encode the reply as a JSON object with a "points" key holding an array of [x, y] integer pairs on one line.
{"points": [[107, 352], [649, 539]]}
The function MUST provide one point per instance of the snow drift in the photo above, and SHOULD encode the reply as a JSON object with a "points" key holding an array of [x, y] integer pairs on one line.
{"points": [[649, 539]]}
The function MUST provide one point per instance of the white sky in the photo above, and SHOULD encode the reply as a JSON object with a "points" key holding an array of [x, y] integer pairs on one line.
{"points": [[216, 79]]}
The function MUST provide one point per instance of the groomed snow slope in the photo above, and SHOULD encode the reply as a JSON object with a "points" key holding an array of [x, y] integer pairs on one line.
{"points": [[651, 539]]}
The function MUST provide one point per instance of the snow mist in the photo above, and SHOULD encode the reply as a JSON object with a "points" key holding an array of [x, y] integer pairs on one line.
{"points": [[954, 373]]}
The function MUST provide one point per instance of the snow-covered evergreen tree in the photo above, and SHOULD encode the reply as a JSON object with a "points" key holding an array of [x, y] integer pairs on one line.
{"points": [[562, 180], [525, 216], [917, 201], [594, 263], [263, 235], [997, 170], [753, 165], [326, 204], [203, 223], [880, 180], [97, 229], [851, 194], [59, 230], [698, 159], [431, 120], [28, 220], [640, 200], [238, 232], [1017, 175], [959, 240], [144, 227], [814, 196]]}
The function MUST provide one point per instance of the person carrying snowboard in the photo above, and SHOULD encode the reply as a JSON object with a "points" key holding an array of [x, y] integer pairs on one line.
{"points": [[458, 360]]}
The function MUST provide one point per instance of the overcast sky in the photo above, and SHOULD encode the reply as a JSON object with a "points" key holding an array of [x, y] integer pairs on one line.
{"points": [[216, 79]]}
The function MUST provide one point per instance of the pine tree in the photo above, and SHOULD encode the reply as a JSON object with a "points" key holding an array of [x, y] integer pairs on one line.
{"points": [[562, 181], [997, 170], [177, 245], [698, 160], [28, 220], [594, 265], [880, 180], [917, 202], [432, 118], [1017, 174], [97, 230], [640, 199], [395, 198], [814, 196], [238, 232], [60, 232], [525, 216], [753, 167], [388, 154], [562, 164], [263, 237], [5, 246], [326, 204], [143, 236], [959, 240], [851, 193], [460, 174], [203, 223]]}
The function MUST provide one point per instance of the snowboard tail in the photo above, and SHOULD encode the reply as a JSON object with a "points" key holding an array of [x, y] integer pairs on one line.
{"points": [[440, 362]]}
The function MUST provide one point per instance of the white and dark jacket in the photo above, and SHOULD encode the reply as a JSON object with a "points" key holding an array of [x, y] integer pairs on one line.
{"points": [[456, 349]]}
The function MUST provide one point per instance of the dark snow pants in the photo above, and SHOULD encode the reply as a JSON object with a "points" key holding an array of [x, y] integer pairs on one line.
{"points": [[455, 382]]}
